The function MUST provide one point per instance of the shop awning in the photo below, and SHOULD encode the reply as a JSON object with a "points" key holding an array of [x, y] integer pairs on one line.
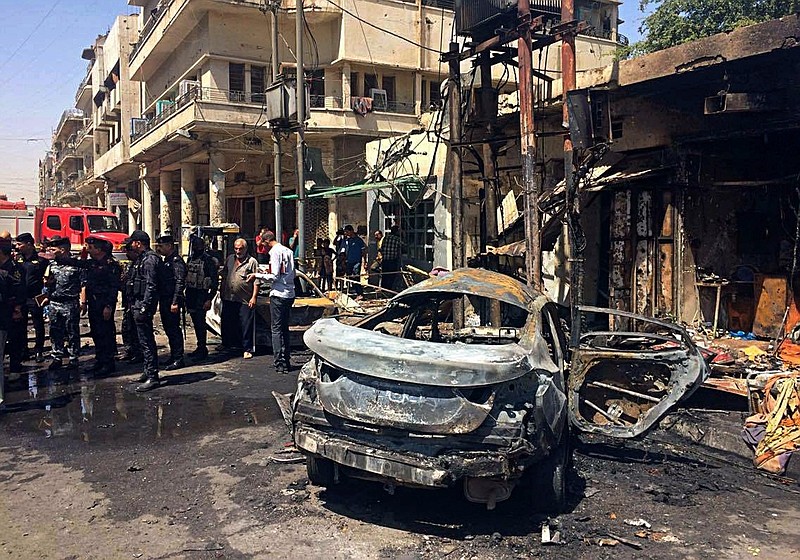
{"points": [[408, 184]]}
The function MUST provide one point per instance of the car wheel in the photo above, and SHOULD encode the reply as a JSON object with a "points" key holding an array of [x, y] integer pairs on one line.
{"points": [[547, 481], [321, 472]]}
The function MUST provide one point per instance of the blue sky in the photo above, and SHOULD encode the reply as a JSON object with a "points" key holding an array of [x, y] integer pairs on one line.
{"points": [[40, 70], [41, 67]]}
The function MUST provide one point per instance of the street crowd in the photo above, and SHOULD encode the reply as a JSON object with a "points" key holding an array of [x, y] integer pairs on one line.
{"points": [[62, 286]]}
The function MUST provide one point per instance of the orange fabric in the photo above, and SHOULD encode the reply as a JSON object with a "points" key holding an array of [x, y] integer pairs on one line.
{"points": [[789, 352]]}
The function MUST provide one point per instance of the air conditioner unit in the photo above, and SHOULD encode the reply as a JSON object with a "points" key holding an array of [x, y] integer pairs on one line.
{"points": [[138, 126], [162, 105], [379, 100], [188, 86]]}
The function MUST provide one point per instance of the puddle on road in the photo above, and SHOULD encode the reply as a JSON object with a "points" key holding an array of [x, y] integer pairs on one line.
{"points": [[111, 411]]}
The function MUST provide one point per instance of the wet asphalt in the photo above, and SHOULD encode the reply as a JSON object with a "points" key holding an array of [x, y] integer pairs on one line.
{"points": [[220, 393]]}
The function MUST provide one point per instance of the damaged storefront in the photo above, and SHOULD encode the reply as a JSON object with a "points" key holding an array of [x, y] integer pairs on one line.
{"points": [[690, 204]]}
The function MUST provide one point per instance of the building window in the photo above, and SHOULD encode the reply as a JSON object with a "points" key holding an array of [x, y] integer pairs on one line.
{"points": [[353, 84], [235, 82], [258, 82], [370, 83], [416, 229], [389, 85], [317, 87], [434, 94]]}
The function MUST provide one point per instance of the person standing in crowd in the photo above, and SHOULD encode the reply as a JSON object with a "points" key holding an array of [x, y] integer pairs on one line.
{"points": [[101, 285], [281, 299], [202, 281], [353, 249], [64, 279], [34, 268], [239, 294], [262, 250], [171, 294], [145, 274], [130, 340], [375, 260], [12, 294], [294, 243], [390, 251], [326, 270]]}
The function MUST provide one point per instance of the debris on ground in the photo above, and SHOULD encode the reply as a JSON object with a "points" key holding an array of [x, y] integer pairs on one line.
{"points": [[773, 431]]}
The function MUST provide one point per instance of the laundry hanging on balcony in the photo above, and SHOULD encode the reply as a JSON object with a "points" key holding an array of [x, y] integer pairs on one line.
{"points": [[361, 105]]}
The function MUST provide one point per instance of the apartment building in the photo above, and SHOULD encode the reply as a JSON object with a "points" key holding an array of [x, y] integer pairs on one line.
{"points": [[203, 142], [47, 179], [90, 155], [170, 118], [115, 102]]}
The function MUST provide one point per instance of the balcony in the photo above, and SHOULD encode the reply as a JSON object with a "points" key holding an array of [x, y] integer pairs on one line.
{"points": [[607, 34], [70, 121], [68, 152], [208, 109], [86, 134]]}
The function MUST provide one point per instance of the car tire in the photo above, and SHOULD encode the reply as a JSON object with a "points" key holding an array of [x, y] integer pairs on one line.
{"points": [[546, 482], [321, 472]]}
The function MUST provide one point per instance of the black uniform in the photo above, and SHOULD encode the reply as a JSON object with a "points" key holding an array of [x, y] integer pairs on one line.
{"points": [[33, 268], [130, 339], [102, 282], [172, 285], [64, 290], [144, 276], [202, 283], [12, 294]]}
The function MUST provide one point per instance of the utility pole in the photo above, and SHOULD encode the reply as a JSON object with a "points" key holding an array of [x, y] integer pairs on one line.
{"points": [[455, 175], [276, 141], [489, 155], [572, 206], [301, 136], [530, 179]]}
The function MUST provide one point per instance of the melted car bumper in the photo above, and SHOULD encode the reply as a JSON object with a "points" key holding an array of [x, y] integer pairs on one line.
{"points": [[409, 468]]}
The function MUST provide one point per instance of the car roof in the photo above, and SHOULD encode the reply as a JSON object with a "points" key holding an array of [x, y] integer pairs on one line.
{"points": [[476, 282]]}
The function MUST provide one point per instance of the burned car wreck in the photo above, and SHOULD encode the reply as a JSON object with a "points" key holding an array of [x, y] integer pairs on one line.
{"points": [[405, 398]]}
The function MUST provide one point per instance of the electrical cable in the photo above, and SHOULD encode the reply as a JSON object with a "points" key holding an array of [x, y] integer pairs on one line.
{"points": [[28, 38]]}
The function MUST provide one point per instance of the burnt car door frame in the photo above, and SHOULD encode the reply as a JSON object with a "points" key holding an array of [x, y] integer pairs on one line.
{"points": [[644, 371]]}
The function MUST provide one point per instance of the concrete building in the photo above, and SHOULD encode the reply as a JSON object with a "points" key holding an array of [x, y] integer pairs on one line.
{"points": [[203, 142], [115, 102], [425, 220], [91, 143], [47, 179]]}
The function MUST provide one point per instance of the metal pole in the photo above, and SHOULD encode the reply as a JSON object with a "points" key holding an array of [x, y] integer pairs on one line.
{"points": [[276, 142], [530, 179], [489, 161], [455, 176], [301, 137], [572, 206]]}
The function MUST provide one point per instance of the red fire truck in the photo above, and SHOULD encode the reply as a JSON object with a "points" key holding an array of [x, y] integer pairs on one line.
{"points": [[78, 223]]}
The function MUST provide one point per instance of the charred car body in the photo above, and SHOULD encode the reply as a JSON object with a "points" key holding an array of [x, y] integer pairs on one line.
{"points": [[405, 398]]}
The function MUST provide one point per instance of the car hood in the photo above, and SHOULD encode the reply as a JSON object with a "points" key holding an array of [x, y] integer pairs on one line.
{"points": [[415, 361]]}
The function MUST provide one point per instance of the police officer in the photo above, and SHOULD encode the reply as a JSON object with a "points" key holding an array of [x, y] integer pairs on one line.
{"points": [[12, 295], [34, 268], [171, 293], [101, 286], [130, 340], [144, 276], [202, 282], [64, 278]]}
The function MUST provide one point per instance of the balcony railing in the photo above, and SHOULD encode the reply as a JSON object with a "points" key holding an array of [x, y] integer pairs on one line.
{"points": [[155, 16], [606, 34], [233, 97], [69, 114]]}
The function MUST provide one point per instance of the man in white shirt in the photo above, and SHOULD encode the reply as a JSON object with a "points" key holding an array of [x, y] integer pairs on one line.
{"points": [[281, 298]]}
